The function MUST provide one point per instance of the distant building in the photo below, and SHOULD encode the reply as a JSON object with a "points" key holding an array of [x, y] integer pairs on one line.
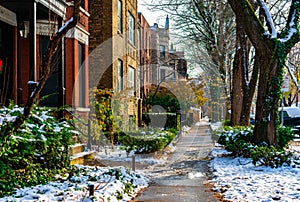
{"points": [[162, 62], [167, 63], [158, 61], [178, 63], [145, 67]]}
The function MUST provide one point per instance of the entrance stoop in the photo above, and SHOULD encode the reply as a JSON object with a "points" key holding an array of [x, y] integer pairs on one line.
{"points": [[79, 155]]}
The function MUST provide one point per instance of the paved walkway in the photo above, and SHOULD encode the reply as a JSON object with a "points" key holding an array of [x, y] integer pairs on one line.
{"points": [[183, 175]]}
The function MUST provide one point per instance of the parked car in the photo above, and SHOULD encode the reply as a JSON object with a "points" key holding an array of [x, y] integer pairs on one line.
{"points": [[252, 119], [291, 117]]}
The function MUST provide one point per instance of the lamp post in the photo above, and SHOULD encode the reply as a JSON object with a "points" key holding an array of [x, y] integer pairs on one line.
{"points": [[23, 27]]}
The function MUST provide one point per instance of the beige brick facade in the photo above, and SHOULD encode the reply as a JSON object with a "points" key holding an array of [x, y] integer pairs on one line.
{"points": [[109, 45]]}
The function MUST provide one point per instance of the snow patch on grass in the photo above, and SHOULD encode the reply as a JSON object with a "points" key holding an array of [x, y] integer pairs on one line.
{"points": [[110, 184]]}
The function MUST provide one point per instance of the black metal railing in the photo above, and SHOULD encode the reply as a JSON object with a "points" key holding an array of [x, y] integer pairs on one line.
{"points": [[86, 124]]}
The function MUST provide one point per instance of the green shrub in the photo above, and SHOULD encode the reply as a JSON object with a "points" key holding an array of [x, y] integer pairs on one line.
{"points": [[240, 141], [36, 152], [270, 156], [146, 141], [226, 122], [284, 136]]}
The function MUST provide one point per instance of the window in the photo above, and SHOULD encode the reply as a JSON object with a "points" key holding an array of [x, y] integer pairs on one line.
{"points": [[162, 50], [131, 80], [82, 4], [131, 37], [53, 84], [6, 75], [120, 24], [81, 75], [120, 75]]}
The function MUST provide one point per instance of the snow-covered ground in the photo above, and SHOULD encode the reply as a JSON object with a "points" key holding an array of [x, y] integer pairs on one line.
{"points": [[110, 184], [237, 179], [119, 155]]}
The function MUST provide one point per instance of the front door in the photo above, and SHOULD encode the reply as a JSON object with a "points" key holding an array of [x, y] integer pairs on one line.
{"points": [[50, 92]]}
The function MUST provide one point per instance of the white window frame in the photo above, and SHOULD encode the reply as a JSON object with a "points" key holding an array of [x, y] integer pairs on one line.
{"points": [[131, 27], [120, 75], [131, 84], [120, 17]]}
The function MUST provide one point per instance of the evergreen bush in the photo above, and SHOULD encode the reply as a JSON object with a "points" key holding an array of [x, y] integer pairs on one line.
{"points": [[240, 141], [144, 142], [36, 152]]}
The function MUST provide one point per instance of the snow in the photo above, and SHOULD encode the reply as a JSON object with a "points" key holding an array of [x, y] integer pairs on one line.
{"points": [[117, 155], [237, 179], [216, 126], [292, 29], [269, 19], [107, 186], [65, 25], [111, 183], [196, 175], [8, 119], [32, 83]]}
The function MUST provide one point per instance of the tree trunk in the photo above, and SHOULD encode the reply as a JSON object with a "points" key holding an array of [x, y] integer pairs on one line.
{"points": [[268, 96], [237, 85], [249, 94]]}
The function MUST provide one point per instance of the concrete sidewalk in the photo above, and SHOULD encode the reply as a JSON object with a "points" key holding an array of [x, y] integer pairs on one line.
{"points": [[186, 170]]}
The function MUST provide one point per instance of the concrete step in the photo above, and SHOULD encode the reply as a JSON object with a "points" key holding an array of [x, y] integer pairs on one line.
{"points": [[82, 157], [76, 148]]}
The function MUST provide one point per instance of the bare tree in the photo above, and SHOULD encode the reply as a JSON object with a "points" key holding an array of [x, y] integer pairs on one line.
{"points": [[208, 28]]}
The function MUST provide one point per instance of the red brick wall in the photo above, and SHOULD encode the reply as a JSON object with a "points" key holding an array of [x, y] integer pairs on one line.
{"points": [[69, 69], [145, 59], [71, 60], [25, 67]]}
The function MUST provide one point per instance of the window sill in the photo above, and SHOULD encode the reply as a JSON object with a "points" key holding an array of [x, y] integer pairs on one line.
{"points": [[82, 109], [131, 44]]}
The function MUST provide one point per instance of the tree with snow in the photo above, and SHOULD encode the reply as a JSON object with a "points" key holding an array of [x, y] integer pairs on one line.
{"points": [[271, 49]]}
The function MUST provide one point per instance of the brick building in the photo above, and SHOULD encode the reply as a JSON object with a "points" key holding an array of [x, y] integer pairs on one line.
{"points": [[167, 63], [26, 28], [145, 68], [162, 62], [113, 58]]}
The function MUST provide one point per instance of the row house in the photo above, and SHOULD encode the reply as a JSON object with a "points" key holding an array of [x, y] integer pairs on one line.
{"points": [[145, 67], [113, 55], [111, 47], [162, 62], [159, 61], [26, 27]]}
